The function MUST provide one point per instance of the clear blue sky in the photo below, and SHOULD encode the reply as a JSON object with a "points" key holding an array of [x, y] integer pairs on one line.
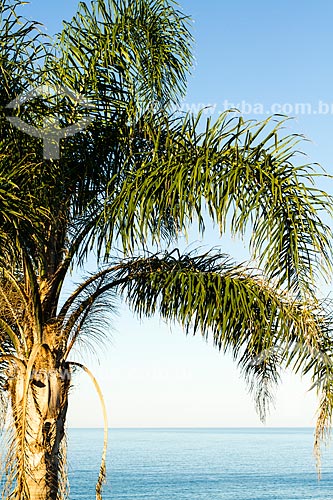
{"points": [[262, 57]]}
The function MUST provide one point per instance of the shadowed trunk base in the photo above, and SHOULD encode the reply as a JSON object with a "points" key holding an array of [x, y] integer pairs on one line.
{"points": [[40, 416]]}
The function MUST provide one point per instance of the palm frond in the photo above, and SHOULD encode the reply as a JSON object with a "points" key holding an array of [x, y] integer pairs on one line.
{"points": [[265, 329], [138, 51], [102, 472], [86, 312], [243, 179]]}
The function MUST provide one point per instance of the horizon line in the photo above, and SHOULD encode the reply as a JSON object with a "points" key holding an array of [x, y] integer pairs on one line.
{"points": [[197, 427]]}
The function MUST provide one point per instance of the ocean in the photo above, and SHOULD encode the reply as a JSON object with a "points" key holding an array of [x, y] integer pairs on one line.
{"points": [[200, 464]]}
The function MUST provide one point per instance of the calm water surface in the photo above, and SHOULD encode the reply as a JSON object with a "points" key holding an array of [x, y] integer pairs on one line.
{"points": [[200, 464]]}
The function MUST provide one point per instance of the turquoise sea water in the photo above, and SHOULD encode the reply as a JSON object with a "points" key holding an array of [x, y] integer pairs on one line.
{"points": [[200, 464]]}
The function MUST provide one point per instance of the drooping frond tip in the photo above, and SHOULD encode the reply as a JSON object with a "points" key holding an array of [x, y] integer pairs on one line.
{"points": [[102, 471]]}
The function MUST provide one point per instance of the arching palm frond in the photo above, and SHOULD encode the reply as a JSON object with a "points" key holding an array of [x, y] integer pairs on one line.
{"points": [[135, 54], [319, 366], [242, 179], [22, 51], [265, 329], [22, 48], [89, 308], [102, 471]]}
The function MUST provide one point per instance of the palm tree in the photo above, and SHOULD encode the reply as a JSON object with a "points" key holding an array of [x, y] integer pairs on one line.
{"points": [[137, 178]]}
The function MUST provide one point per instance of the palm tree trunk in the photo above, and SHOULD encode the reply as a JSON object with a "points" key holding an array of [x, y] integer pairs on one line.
{"points": [[39, 415]]}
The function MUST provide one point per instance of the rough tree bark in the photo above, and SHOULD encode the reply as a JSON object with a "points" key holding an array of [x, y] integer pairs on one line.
{"points": [[39, 399]]}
